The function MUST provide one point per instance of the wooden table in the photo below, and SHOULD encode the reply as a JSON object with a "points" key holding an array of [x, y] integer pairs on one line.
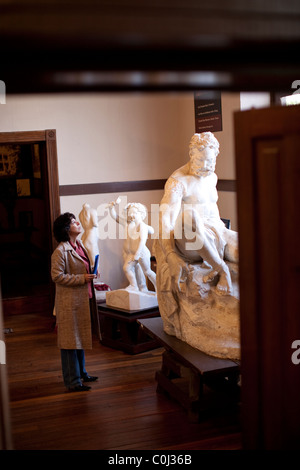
{"points": [[121, 330], [196, 380]]}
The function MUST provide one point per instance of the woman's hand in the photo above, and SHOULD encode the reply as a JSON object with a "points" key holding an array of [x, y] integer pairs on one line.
{"points": [[89, 277]]}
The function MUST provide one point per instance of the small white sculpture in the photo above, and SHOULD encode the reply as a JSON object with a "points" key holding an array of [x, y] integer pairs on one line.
{"points": [[89, 221], [136, 255], [197, 257]]}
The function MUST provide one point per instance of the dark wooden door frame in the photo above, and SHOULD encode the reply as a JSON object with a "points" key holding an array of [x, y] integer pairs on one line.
{"points": [[48, 138], [267, 147]]}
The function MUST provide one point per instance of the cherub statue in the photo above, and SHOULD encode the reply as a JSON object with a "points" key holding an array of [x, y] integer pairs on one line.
{"points": [[89, 221], [136, 255]]}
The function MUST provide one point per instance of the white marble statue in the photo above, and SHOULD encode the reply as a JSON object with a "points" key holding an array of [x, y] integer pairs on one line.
{"points": [[197, 256], [89, 220], [136, 255], [135, 252]]}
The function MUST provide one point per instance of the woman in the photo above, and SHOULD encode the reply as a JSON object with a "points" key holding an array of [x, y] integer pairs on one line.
{"points": [[70, 270]]}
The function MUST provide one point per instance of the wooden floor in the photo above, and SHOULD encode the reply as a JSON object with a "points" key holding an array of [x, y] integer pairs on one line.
{"points": [[121, 412]]}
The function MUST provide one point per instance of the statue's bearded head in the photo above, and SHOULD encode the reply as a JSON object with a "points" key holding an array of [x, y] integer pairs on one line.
{"points": [[203, 152]]}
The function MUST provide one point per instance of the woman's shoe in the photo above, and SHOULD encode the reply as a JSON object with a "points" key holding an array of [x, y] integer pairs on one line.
{"points": [[89, 378], [79, 388]]}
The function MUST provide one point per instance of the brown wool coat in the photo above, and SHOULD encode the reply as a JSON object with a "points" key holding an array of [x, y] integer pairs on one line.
{"points": [[72, 306]]}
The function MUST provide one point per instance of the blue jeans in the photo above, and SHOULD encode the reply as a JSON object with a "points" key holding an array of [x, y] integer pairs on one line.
{"points": [[73, 366]]}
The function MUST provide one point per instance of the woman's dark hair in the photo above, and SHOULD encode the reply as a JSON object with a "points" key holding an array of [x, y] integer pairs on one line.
{"points": [[61, 227]]}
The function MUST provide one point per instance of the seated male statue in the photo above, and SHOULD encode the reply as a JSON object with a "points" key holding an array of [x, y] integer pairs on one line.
{"points": [[191, 230]]}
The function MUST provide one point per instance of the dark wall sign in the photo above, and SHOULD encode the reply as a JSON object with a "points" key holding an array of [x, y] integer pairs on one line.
{"points": [[208, 111]]}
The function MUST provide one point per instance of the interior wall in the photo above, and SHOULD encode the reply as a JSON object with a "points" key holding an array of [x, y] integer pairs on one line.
{"points": [[225, 167], [251, 100], [121, 137]]}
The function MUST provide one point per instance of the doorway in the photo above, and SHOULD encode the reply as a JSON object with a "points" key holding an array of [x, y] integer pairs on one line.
{"points": [[267, 145], [29, 203]]}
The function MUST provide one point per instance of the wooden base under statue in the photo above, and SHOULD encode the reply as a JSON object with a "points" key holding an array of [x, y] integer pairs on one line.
{"points": [[199, 382], [120, 329], [131, 300]]}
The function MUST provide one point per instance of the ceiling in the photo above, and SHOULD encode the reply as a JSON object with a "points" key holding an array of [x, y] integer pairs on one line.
{"points": [[157, 45]]}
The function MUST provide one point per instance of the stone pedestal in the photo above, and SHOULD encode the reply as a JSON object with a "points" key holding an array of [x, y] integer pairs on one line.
{"points": [[131, 300], [197, 313]]}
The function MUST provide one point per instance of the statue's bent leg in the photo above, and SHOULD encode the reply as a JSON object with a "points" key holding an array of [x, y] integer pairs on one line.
{"points": [[141, 280], [146, 267], [129, 269], [211, 255], [204, 246]]}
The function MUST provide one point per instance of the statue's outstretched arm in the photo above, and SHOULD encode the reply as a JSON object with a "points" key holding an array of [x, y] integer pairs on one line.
{"points": [[112, 210]]}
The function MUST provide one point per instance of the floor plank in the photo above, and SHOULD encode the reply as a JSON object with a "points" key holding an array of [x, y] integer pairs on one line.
{"points": [[121, 412]]}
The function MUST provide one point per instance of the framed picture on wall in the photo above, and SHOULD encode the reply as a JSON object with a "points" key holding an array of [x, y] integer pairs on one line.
{"points": [[9, 160], [208, 111], [23, 187]]}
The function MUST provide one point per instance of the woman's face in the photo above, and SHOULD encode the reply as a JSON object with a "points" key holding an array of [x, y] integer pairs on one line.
{"points": [[75, 228]]}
